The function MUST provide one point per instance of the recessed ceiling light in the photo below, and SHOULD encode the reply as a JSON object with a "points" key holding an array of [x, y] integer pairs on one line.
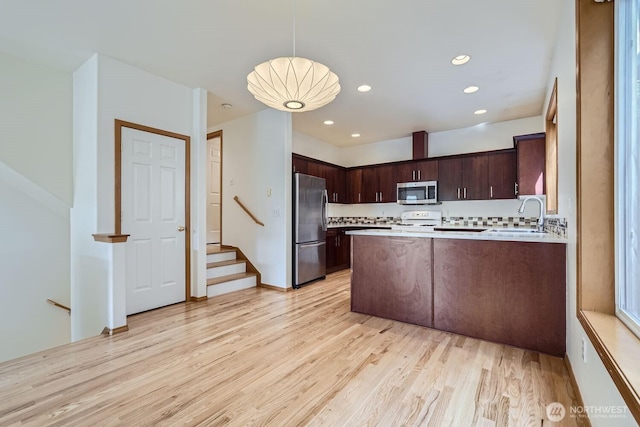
{"points": [[470, 89], [364, 88], [478, 112], [460, 59], [355, 135], [328, 122], [226, 106]]}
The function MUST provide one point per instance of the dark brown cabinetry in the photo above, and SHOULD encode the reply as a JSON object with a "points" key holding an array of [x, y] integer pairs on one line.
{"points": [[519, 300], [391, 278], [299, 164], [354, 185], [502, 291], [378, 184], [338, 250], [477, 177], [335, 177], [482, 176], [531, 164], [502, 175], [423, 170], [463, 178]]}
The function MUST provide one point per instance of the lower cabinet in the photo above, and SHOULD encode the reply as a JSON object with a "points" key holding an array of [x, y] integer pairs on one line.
{"points": [[507, 292], [502, 291], [391, 278], [338, 250]]}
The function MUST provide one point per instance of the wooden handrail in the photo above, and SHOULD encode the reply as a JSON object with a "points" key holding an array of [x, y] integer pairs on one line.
{"points": [[253, 217], [57, 304]]}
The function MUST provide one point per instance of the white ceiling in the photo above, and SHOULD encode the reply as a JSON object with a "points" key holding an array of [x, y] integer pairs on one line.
{"points": [[401, 48]]}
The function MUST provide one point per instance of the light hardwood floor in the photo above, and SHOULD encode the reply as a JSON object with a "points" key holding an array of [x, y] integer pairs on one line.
{"points": [[262, 357]]}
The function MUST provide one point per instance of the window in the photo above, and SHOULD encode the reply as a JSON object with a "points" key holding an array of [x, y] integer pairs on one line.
{"points": [[627, 173], [551, 151]]}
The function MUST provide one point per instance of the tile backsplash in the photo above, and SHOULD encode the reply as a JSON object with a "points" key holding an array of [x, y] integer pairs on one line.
{"points": [[557, 226]]}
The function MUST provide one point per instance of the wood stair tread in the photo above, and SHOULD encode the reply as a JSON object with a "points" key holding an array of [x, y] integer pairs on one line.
{"points": [[217, 249], [224, 263], [229, 278]]}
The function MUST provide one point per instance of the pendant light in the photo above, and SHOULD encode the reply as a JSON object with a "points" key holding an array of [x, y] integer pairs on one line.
{"points": [[293, 83]]}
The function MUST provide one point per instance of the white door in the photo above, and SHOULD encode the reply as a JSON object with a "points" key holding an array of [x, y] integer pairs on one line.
{"points": [[153, 213], [213, 190]]}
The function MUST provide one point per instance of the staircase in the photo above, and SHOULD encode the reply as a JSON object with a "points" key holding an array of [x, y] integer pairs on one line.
{"points": [[227, 271]]}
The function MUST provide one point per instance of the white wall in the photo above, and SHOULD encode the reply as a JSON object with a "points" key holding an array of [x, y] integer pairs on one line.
{"points": [[482, 137], [35, 109], [306, 145], [105, 90], [35, 195], [595, 384], [392, 150], [256, 160], [34, 266]]}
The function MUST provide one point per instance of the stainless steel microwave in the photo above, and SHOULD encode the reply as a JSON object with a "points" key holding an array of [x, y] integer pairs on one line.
{"points": [[418, 193]]}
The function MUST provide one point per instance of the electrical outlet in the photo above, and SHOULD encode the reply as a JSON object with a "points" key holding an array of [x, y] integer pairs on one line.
{"points": [[584, 350], [268, 192], [276, 212]]}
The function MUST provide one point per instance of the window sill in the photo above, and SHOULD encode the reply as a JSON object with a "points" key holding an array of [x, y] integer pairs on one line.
{"points": [[618, 348]]}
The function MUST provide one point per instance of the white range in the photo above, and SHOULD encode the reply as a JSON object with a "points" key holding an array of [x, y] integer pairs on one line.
{"points": [[420, 221]]}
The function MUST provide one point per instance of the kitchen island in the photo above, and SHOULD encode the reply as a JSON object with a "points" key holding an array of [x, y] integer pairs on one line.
{"points": [[506, 287]]}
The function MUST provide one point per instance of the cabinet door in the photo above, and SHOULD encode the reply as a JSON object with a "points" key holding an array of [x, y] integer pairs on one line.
{"points": [[354, 186], [475, 177], [332, 250], [502, 175], [426, 170], [339, 185], [323, 171], [406, 172], [386, 184], [299, 164], [344, 250], [369, 185], [450, 179], [316, 169], [531, 170]]}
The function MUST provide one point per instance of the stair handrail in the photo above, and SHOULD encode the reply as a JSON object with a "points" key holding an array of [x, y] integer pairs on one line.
{"points": [[57, 304], [253, 217]]}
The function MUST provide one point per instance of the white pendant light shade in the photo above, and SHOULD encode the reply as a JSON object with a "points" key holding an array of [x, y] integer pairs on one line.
{"points": [[293, 84]]}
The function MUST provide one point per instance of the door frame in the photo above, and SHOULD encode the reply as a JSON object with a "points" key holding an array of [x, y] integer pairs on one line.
{"points": [[119, 124], [211, 135]]}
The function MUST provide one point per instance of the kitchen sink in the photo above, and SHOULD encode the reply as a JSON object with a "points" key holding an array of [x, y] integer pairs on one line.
{"points": [[515, 230]]}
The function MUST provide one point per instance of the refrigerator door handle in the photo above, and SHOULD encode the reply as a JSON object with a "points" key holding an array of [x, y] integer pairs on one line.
{"points": [[325, 200]]}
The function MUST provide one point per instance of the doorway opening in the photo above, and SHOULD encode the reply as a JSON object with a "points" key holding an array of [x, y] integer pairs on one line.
{"points": [[214, 188]]}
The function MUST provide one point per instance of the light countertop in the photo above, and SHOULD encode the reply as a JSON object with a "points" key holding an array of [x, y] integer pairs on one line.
{"points": [[346, 224], [506, 235]]}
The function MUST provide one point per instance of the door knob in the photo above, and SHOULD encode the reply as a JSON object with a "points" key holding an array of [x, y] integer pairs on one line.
{"points": [[180, 228]]}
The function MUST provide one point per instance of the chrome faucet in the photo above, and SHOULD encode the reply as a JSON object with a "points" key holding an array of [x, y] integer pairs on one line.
{"points": [[541, 216]]}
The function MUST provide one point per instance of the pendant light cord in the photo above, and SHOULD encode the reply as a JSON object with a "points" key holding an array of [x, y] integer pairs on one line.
{"points": [[294, 28]]}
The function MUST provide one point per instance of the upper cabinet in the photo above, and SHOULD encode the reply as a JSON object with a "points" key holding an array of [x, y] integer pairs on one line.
{"points": [[421, 170], [502, 175], [531, 160], [335, 177], [463, 178], [477, 177], [354, 185], [378, 184], [299, 164]]}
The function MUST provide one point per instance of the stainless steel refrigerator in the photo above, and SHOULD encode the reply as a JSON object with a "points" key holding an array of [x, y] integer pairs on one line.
{"points": [[309, 228]]}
